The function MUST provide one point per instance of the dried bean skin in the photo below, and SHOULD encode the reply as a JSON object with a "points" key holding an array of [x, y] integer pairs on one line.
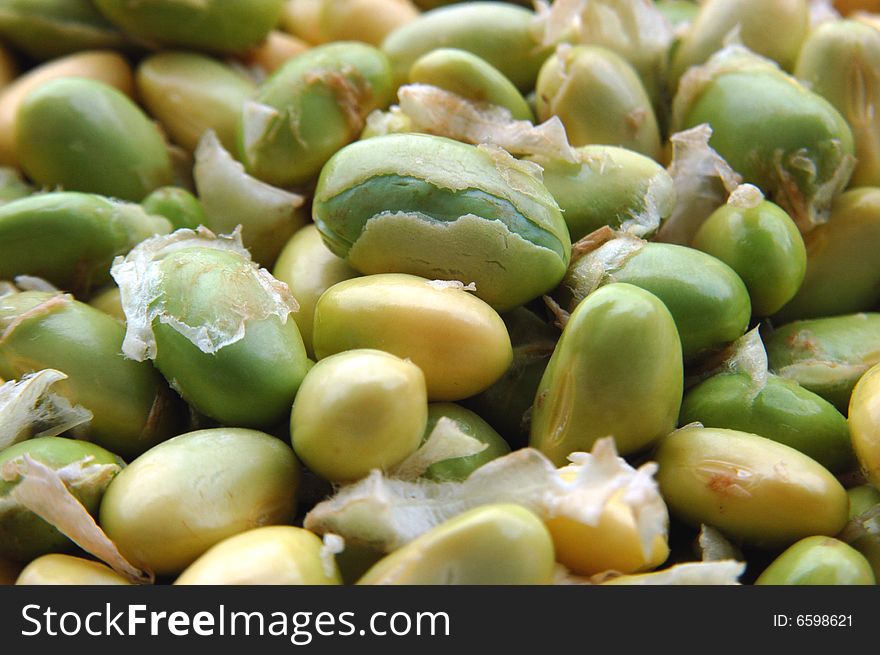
{"points": [[459, 468], [463, 550], [132, 407], [24, 535]]}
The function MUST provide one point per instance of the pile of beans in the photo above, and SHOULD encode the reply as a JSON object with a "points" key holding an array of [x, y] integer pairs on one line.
{"points": [[425, 292]]}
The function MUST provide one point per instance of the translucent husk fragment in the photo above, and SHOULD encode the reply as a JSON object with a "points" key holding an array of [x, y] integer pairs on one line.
{"points": [[451, 284], [28, 409], [561, 317], [139, 278], [626, 24], [393, 121], [26, 283], [865, 524], [634, 29], [446, 441], [592, 241], [702, 180], [46, 493], [333, 546], [689, 426], [563, 576], [745, 356], [385, 513], [734, 37], [436, 111], [598, 255], [231, 197], [260, 123], [558, 22], [750, 358], [804, 207], [745, 196], [519, 174], [712, 546], [649, 219], [720, 572]]}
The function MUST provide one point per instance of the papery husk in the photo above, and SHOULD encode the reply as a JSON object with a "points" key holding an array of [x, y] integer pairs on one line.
{"points": [[267, 215], [703, 180], [384, 513], [29, 409], [47, 493], [436, 111], [139, 277]]}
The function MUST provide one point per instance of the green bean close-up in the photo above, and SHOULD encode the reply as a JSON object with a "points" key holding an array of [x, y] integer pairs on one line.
{"points": [[433, 292]]}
